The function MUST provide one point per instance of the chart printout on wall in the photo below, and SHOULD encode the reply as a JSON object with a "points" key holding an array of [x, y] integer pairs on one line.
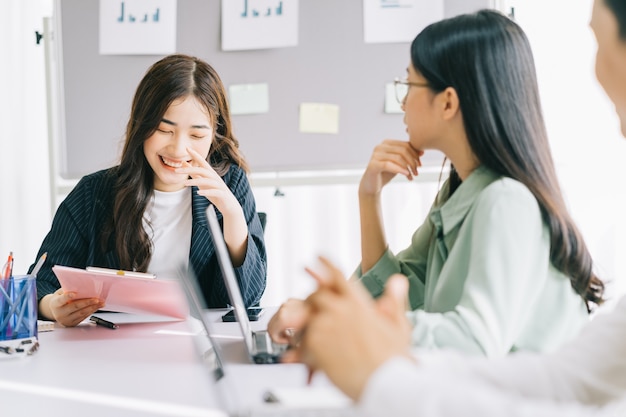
{"points": [[137, 27], [259, 24]]}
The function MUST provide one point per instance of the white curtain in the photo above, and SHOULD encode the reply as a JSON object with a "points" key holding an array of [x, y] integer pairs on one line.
{"points": [[24, 178], [312, 220], [587, 145]]}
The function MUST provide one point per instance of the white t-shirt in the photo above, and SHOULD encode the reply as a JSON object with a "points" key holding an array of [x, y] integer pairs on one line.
{"points": [[167, 221]]}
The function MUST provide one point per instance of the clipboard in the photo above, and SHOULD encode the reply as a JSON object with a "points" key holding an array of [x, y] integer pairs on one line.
{"points": [[125, 293]]}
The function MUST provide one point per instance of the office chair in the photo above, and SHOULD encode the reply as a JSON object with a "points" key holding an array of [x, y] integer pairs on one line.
{"points": [[262, 219]]}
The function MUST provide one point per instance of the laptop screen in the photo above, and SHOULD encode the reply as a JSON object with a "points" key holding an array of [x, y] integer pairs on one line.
{"points": [[207, 348], [230, 397], [230, 279]]}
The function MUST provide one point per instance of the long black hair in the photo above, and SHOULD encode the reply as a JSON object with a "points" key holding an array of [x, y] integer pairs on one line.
{"points": [[618, 7], [173, 77], [487, 59]]}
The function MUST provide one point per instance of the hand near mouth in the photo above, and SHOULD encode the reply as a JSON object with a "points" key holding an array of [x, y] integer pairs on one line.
{"points": [[211, 185]]}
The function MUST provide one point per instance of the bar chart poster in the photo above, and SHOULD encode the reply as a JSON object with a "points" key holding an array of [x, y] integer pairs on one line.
{"points": [[137, 27], [392, 21], [259, 24]]}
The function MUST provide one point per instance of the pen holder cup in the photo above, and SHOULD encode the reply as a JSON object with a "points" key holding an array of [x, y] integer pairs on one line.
{"points": [[18, 307]]}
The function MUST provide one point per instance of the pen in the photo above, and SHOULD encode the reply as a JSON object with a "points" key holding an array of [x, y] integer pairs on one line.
{"points": [[39, 264], [7, 270], [103, 322]]}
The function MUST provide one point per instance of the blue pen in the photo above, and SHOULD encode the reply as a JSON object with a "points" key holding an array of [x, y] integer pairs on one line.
{"points": [[13, 305], [25, 326], [21, 303]]}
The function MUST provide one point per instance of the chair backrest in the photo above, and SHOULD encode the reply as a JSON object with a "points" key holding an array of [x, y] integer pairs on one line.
{"points": [[262, 219]]}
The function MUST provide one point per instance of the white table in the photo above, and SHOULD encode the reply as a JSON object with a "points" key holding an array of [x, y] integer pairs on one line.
{"points": [[140, 369]]}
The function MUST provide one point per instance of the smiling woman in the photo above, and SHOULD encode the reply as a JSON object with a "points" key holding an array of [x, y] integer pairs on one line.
{"points": [[149, 212], [185, 125]]}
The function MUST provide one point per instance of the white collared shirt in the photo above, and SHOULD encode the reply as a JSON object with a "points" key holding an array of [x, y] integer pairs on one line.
{"points": [[586, 377]]}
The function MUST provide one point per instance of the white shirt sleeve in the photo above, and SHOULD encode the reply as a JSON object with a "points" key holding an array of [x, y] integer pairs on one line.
{"points": [[400, 388], [591, 369]]}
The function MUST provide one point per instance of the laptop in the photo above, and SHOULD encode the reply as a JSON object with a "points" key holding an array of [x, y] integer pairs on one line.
{"points": [[260, 347], [242, 396]]}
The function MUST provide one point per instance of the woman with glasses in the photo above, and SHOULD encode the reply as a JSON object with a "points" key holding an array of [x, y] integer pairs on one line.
{"points": [[498, 264], [586, 377]]}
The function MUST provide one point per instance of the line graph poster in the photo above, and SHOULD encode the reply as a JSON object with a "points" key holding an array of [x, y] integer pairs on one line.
{"points": [[259, 24], [137, 27], [389, 21]]}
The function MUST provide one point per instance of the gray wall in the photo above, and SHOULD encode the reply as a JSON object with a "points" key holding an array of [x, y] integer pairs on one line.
{"points": [[331, 64]]}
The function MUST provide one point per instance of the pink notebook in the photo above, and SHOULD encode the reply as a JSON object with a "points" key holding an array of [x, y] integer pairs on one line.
{"points": [[126, 294]]}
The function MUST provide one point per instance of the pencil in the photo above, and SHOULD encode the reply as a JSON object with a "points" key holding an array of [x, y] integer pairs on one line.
{"points": [[39, 264]]}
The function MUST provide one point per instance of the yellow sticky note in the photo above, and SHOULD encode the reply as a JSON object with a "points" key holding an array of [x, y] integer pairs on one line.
{"points": [[249, 98], [319, 118]]}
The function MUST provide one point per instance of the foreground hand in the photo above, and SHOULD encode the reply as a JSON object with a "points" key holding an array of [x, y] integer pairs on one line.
{"points": [[63, 308], [288, 321], [348, 335], [389, 158]]}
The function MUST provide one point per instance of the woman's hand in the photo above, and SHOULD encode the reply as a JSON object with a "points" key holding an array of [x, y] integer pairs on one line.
{"points": [[288, 320], [390, 158], [348, 334], [64, 309], [211, 185]]}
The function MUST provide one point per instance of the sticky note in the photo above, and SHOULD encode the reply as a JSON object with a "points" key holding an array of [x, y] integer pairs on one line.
{"points": [[249, 98], [391, 102], [319, 118]]}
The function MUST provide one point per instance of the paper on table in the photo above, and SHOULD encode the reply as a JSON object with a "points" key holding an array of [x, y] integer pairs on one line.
{"points": [[249, 98], [124, 293], [319, 118], [44, 326]]}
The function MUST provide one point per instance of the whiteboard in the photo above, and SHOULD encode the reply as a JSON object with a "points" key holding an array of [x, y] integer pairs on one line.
{"points": [[331, 64]]}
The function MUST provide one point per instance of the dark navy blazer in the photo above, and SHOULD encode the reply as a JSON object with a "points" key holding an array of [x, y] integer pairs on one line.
{"points": [[75, 238]]}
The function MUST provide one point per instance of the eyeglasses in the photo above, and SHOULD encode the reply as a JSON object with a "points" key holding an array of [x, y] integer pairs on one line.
{"points": [[402, 88]]}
